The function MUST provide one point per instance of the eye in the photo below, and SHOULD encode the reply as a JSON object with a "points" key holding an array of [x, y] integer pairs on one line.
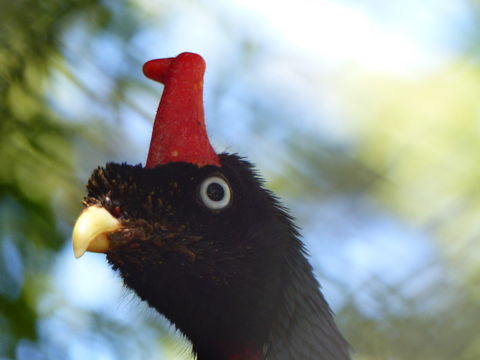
{"points": [[215, 193]]}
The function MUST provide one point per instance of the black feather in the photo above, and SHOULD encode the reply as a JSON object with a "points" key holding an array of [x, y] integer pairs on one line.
{"points": [[234, 281]]}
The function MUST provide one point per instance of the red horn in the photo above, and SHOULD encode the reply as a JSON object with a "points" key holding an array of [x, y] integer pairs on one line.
{"points": [[179, 133]]}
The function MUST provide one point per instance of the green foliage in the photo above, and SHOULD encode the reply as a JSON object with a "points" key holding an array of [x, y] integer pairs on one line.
{"points": [[38, 188], [34, 163], [422, 135]]}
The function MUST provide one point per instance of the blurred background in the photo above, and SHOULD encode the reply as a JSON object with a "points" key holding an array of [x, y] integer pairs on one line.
{"points": [[363, 115]]}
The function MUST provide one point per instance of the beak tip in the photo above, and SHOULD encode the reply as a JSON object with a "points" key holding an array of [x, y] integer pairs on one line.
{"points": [[78, 253]]}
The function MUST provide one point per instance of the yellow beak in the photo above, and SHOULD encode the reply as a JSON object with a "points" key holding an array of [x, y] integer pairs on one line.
{"points": [[91, 229]]}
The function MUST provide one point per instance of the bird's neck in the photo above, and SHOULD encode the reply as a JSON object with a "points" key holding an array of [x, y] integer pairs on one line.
{"points": [[247, 354], [304, 327], [244, 352]]}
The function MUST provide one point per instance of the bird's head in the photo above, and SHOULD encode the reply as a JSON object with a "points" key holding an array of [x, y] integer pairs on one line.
{"points": [[193, 233]]}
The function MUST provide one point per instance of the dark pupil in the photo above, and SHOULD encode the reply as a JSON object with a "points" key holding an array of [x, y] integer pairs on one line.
{"points": [[215, 192]]}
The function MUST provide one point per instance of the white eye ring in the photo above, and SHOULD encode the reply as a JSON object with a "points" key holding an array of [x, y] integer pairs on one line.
{"points": [[215, 193]]}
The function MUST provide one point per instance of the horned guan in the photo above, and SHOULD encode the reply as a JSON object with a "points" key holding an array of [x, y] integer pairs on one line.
{"points": [[197, 236]]}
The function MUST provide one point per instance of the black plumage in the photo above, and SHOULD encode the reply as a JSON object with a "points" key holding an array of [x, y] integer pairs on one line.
{"points": [[234, 280]]}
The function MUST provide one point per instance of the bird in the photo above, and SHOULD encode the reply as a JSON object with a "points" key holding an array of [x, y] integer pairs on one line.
{"points": [[199, 237]]}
